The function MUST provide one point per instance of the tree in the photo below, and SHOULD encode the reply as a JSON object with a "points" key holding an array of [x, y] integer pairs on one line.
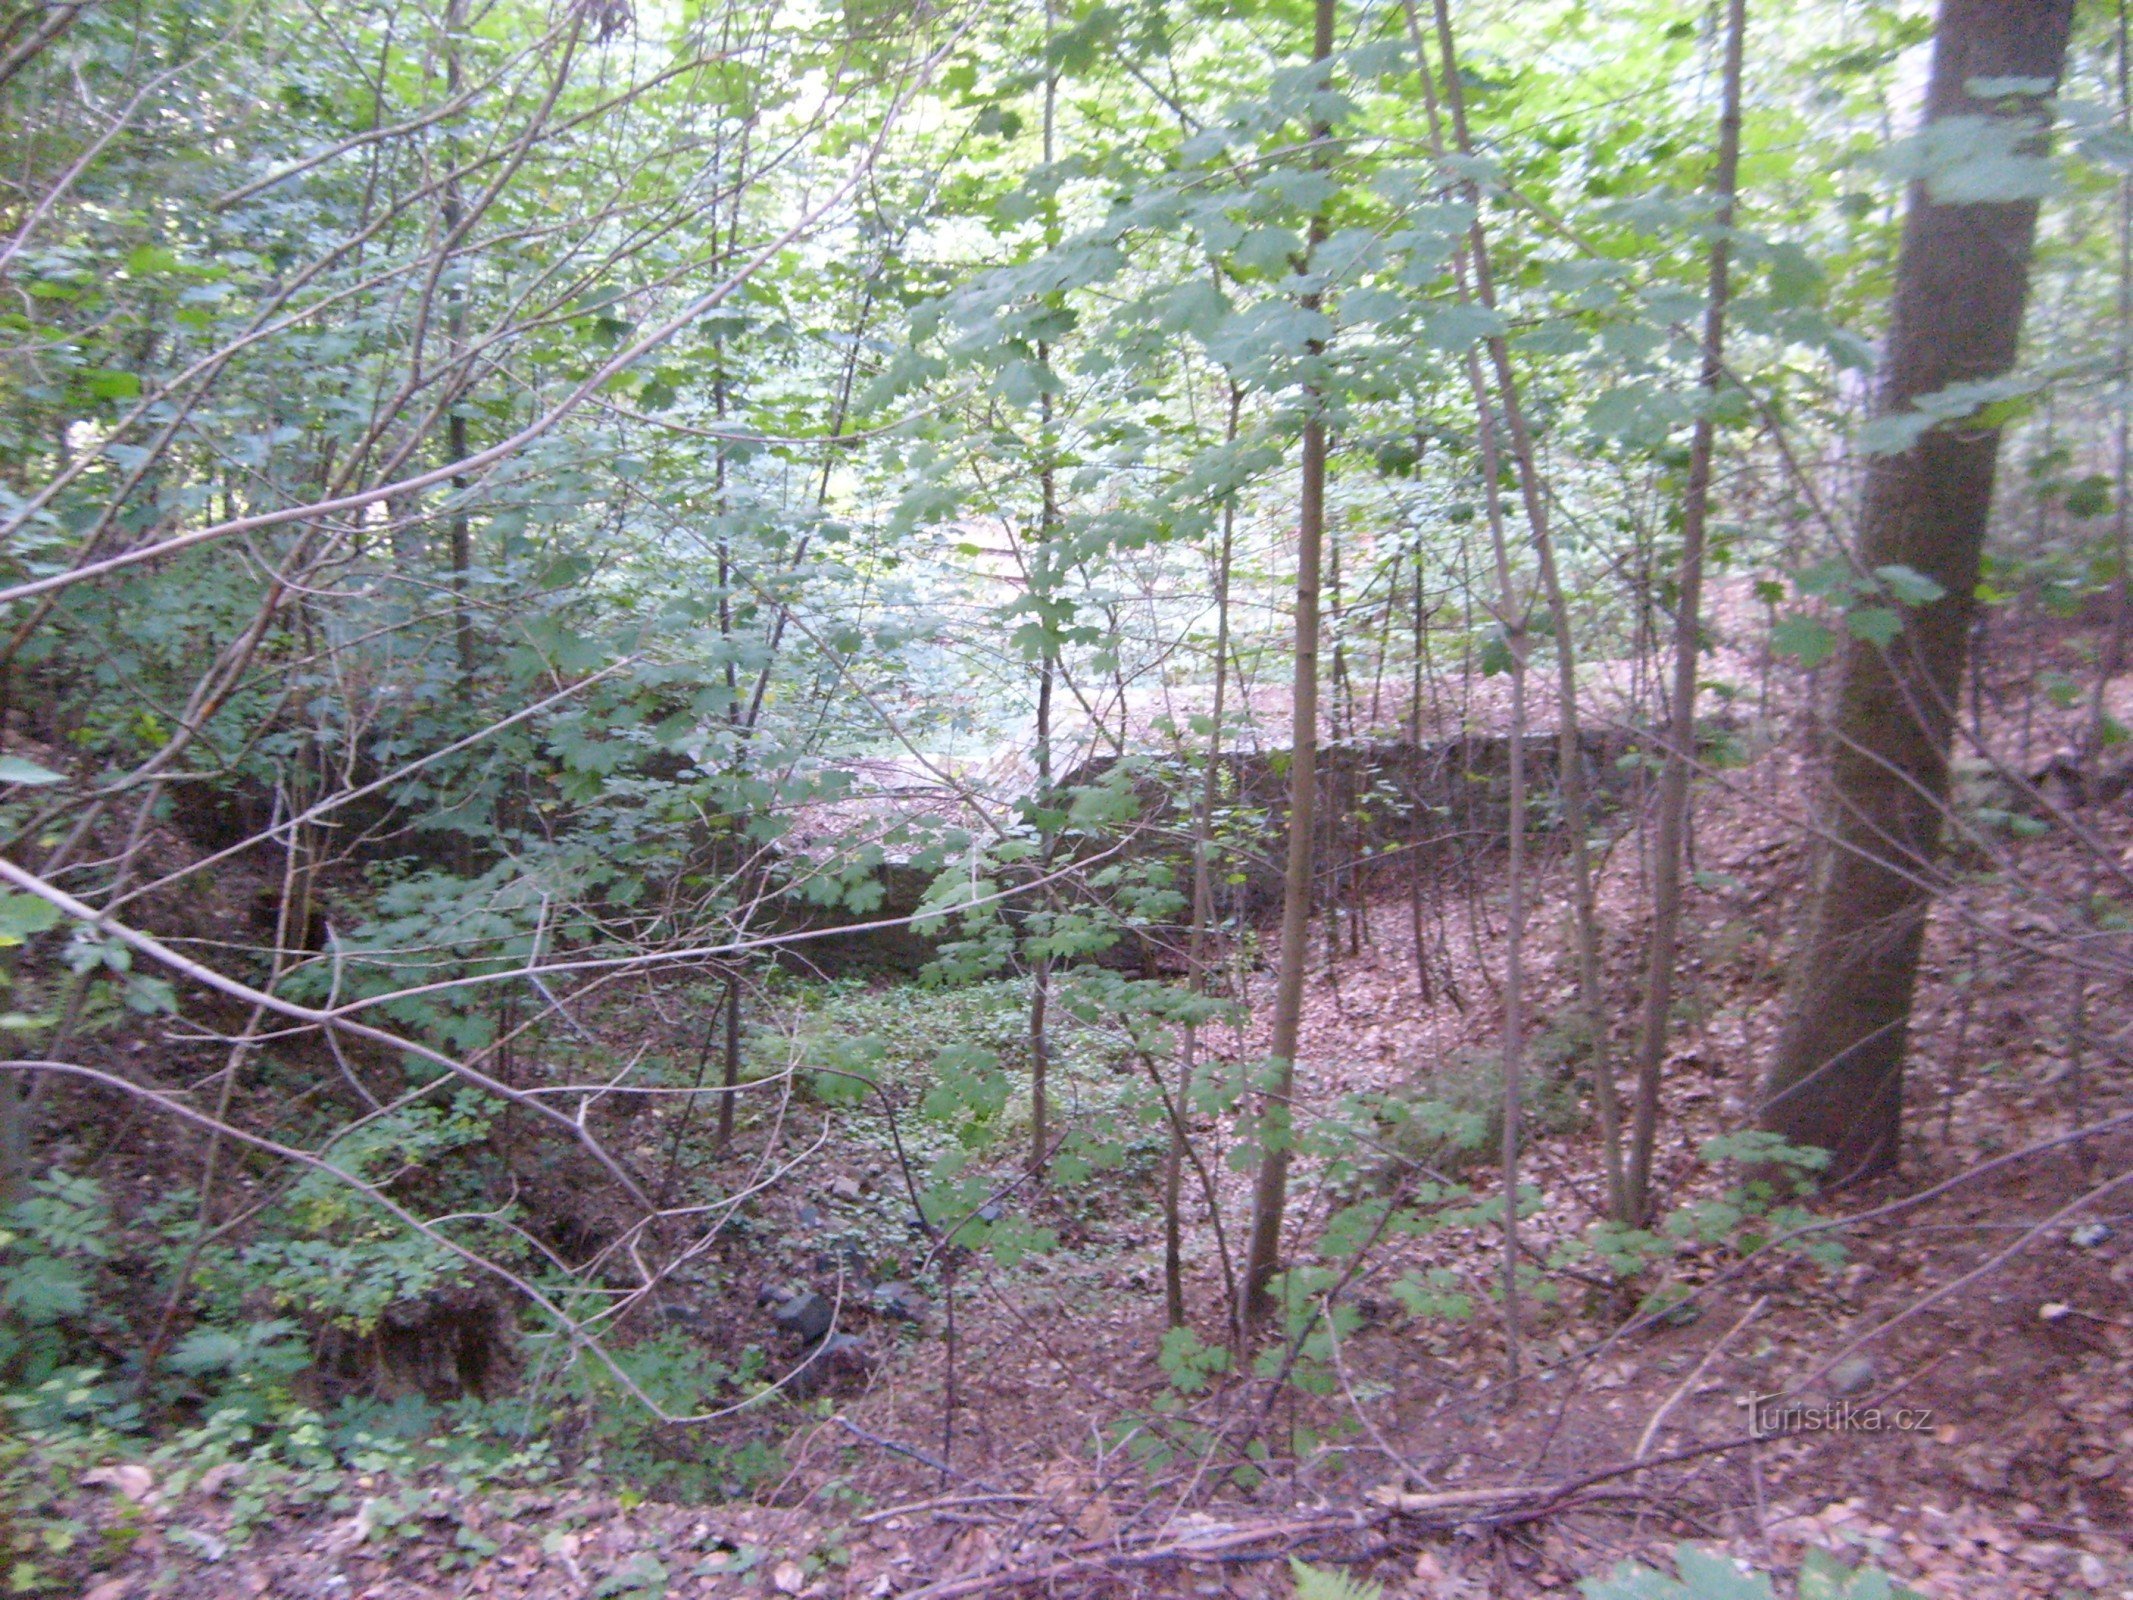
{"points": [[1270, 1192], [1962, 277], [1634, 1193]]}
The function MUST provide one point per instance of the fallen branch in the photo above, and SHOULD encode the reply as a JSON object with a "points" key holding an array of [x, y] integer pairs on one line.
{"points": [[1219, 1543], [1499, 1505]]}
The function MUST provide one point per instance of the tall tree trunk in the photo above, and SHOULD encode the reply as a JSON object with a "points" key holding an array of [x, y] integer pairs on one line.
{"points": [[462, 538], [1040, 585], [1270, 1192], [2113, 659], [1962, 275], [1630, 1205], [1423, 822], [1040, 993]]}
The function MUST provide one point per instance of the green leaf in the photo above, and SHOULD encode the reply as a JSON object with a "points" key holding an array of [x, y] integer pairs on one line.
{"points": [[149, 259], [13, 769], [1023, 383], [565, 571], [24, 914], [1703, 1577], [1974, 160], [1877, 625], [1795, 278], [1103, 804], [1268, 249], [1910, 587], [2091, 497], [44, 1289], [206, 1350], [1190, 1361], [1327, 1583], [1453, 326], [1197, 308], [1983, 402], [150, 997], [1639, 415], [1824, 1577], [1713, 1577], [1803, 638], [642, 1577], [107, 383]]}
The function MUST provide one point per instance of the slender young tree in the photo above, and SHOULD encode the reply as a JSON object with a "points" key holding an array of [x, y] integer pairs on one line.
{"points": [[1962, 277], [1270, 1192], [730, 1078], [1534, 499], [1040, 583], [1631, 1204], [2112, 659], [462, 548]]}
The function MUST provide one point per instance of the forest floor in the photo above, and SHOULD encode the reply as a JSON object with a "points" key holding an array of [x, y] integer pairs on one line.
{"points": [[1978, 1309]]}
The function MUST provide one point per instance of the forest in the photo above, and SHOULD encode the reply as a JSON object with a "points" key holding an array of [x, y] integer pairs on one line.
{"points": [[1263, 798]]}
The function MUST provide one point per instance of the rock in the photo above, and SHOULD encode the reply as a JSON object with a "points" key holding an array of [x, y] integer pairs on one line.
{"points": [[806, 1315], [1852, 1376], [130, 1479], [900, 1302], [2089, 1235], [847, 1355], [840, 1361], [989, 1211], [788, 1577], [846, 1189], [852, 1264], [771, 1293], [807, 1216]]}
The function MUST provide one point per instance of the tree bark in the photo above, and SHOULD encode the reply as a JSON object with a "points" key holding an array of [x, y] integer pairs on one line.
{"points": [[1040, 588], [1270, 1191], [1630, 1205], [2112, 660], [731, 1079], [1962, 276], [462, 548]]}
